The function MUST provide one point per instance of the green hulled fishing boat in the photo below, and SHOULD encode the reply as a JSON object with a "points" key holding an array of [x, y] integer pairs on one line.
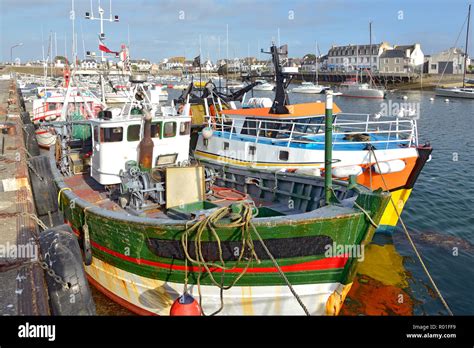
{"points": [[157, 229]]}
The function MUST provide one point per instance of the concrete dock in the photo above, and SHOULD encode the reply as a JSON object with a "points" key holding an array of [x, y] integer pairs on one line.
{"points": [[23, 290]]}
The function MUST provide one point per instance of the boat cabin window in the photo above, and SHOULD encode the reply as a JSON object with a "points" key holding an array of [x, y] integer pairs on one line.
{"points": [[156, 130], [51, 106], [96, 134], [169, 129], [269, 129], [249, 127], [309, 125], [184, 128], [111, 135], [133, 132]]}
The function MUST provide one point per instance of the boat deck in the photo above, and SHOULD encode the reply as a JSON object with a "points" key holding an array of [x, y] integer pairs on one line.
{"points": [[86, 188]]}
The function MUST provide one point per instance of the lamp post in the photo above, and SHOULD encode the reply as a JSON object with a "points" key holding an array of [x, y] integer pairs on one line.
{"points": [[11, 51]]}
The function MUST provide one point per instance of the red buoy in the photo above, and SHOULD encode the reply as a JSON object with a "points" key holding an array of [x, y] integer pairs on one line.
{"points": [[185, 305]]}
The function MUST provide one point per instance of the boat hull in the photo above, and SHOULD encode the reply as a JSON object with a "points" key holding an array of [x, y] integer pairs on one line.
{"points": [[454, 93], [139, 260], [399, 183], [364, 93], [148, 296], [312, 90], [263, 88]]}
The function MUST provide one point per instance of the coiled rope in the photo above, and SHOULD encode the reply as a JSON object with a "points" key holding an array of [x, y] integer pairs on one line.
{"points": [[411, 241], [210, 223]]}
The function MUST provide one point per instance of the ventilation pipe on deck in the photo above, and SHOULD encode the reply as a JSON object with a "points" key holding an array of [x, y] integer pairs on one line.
{"points": [[145, 148]]}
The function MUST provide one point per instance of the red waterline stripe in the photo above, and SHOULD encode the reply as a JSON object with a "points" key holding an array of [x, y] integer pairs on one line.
{"points": [[327, 263], [323, 264]]}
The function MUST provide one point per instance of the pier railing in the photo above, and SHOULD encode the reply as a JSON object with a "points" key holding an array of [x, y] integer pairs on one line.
{"points": [[348, 128]]}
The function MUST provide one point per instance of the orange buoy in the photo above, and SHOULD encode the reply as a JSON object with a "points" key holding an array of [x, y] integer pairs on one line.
{"points": [[185, 305]]}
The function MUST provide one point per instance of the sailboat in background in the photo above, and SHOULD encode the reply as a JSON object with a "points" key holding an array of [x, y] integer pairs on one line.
{"points": [[309, 87], [460, 92], [356, 89]]}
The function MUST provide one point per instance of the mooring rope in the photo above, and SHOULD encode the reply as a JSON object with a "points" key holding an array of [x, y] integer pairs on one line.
{"points": [[280, 271], [36, 219], [412, 243], [366, 213]]}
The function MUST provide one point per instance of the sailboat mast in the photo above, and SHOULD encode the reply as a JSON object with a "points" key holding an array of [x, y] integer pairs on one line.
{"points": [[370, 51], [465, 50], [317, 75]]}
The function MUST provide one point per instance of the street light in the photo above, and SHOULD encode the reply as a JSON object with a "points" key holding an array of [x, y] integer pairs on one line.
{"points": [[11, 51]]}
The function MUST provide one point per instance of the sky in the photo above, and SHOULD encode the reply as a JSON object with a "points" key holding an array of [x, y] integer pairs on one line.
{"points": [[164, 28]]}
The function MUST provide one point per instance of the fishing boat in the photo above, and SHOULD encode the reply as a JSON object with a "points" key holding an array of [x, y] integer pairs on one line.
{"points": [[309, 88], [464, 91], [157, 229], [381, 153], [57, 105]]}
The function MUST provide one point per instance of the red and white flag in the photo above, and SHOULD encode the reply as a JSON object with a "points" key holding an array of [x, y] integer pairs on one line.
{"points": [[104, 48]]}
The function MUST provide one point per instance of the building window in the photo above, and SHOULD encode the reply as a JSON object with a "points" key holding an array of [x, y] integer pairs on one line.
{"points": [[184, 128], [375, 59], [367, 59], [169, 130], [397, 69], [252, 150], [386, 60], [111, 135], [397, 60], [433, 66], [226, 145], [386, 69], [133, 132], [283, 156], [156, 130]]}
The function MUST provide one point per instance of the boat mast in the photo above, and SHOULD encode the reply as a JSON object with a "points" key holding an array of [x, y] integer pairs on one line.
{"points": [[73, 19], [370, 52], [465, 50], [317, 76], [281, 97]]}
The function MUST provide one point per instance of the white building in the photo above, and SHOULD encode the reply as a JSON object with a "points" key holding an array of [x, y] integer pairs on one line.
{"points": [[402, 59], [450, 61], [208, 66], [89, 64], [353, 57]]}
